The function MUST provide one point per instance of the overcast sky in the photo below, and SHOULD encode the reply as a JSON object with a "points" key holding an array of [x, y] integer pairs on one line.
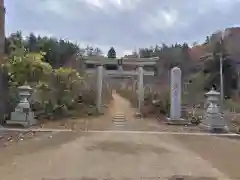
{"points": [[124, 24]]}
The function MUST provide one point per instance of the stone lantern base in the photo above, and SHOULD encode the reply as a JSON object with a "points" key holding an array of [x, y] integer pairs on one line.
{"points": [[214, 129], [22, 118], [214, 124], [23, 114]]}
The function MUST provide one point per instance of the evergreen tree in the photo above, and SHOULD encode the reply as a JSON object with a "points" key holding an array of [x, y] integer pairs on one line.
{"points": [[57, 52], [32, 43], [111, 53], [207, 40]]}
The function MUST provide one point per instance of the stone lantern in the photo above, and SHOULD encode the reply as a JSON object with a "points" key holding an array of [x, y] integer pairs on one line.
{"points": [[23, 114], [213, 119]]}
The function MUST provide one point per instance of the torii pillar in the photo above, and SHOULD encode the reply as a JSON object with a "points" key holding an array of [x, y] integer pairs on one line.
{"points": [[99, 87]]}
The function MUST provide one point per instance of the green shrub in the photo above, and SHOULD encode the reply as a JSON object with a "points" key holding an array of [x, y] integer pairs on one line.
{"points": [[162, 99], [56, 92], [163, 102]]}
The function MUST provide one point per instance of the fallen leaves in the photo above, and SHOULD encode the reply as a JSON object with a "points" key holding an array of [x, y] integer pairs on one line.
{"points": [[10, 137]]}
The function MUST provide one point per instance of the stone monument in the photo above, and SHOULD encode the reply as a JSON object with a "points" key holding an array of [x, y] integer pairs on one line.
{"points": [[175, 97], [23, 114], [213, 120]]}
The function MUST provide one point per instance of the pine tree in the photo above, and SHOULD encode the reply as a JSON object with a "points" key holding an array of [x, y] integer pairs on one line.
{"points": [[111, 53]]}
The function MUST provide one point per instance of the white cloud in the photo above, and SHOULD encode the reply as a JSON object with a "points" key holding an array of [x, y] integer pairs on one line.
{"points": [[161, 20], [53, 6], [224, 6], [97, 3], [69, 9], [129, 4], [118, 4], [64, 9], [123, 24]]}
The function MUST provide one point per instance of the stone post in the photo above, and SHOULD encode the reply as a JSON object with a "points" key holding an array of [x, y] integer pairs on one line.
{"points": [[99, 87], [176, 78], [175, 97], [140, 88]]}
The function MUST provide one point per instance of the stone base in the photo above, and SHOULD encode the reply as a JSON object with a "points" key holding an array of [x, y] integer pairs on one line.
{"points": [[178, 122], [23, 119], [214, 129], [23, 123]]}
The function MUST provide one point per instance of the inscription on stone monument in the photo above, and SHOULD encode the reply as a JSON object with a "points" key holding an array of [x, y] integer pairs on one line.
{"points": [[176, 78]]}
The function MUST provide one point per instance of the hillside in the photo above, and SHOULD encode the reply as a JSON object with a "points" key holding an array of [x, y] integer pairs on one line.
{"points": [[206, 63], [189, 59], [231, 44], [199, 64]]}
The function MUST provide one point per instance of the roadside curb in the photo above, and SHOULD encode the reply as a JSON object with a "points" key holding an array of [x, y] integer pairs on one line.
{"points": [[167, 133], [36, 130]]}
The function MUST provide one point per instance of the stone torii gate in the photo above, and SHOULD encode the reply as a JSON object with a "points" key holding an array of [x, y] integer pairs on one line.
{"points": [[98, 65]]}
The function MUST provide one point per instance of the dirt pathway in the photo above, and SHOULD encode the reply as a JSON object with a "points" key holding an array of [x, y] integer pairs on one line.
{"points": [[121, 105]]}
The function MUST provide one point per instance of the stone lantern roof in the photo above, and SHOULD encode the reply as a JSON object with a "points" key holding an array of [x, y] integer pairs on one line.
{"points": [[212, 92], [25, 87]]}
